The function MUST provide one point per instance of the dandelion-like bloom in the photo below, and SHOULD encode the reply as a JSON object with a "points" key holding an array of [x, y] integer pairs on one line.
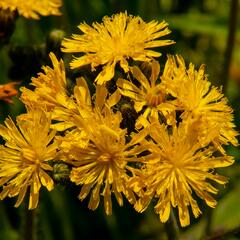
{"points": [[117, 39], [150, 95], [102, 168], [24, 159], [178, 168], [202, 105], [85, 106], [50, 88], [33, 8]]}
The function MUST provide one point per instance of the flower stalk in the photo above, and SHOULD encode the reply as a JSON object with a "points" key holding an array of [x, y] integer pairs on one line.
{"points": [[171, 227], [232, 27]]}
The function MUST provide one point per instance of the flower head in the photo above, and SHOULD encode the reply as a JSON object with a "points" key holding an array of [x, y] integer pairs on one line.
{"points": [[24, 159], [32, 9], [102, 167], [177, 168], [84, 105], [117, 39], [202, 105], [150, 95], [50, 87]]}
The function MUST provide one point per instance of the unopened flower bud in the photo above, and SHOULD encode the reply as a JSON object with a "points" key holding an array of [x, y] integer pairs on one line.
{"points": [[7, 24], [54, 40], [61, 172]]}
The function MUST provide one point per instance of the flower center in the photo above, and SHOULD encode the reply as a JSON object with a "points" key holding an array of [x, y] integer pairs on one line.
{"points": [[119, 47], [154, 98], [30, 156], [105, 157]]}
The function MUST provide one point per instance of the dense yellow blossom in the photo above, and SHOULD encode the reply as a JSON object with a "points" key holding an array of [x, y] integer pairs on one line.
{"points": [[202, 105], [102, 167], [50, 87], [117, 39], [177, 168], [33, 8], [71, 141], [150, 95], [24, 159], [85, 106]]}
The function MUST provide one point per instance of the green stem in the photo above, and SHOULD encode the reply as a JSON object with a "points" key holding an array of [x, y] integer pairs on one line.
{"points": [[29, 223], [171, 227], [232, 26], [208, 226]]}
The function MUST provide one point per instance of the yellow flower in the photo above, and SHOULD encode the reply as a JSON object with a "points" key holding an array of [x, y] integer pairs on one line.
{"points": [[84, 106], [71, 141], [24, 159], [201, 104], [150, 94], [50, 88], [33, 8], [177, 168], [117, 39], [103, 166]]}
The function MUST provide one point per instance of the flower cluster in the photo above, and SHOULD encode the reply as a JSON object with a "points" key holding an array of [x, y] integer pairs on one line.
{"points": [[181, 127]]}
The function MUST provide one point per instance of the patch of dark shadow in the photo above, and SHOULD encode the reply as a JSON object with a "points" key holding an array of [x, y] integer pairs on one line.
{"points": [[178, 117]]}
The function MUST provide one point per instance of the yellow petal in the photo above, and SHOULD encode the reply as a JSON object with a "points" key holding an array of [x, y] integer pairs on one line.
{"points": [[137, 73], [165, 212], [106, 74], [114, 98], [46, 180]]}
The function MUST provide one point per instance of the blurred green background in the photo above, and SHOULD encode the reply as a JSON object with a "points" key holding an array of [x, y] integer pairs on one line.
{"points": [[200, 29]]}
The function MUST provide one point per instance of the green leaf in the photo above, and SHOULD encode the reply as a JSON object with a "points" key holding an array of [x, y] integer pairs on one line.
{"points": [[226, 215]]}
